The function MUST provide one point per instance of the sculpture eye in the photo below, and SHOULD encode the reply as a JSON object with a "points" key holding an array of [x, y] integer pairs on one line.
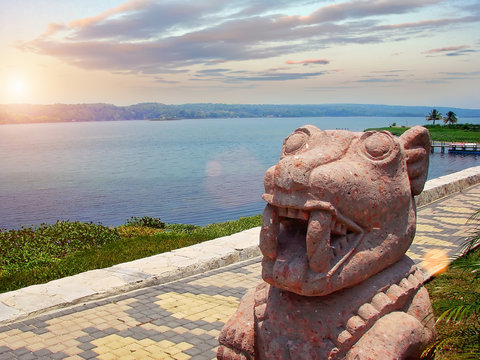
{"points": [[378, 145], [295, 142]]}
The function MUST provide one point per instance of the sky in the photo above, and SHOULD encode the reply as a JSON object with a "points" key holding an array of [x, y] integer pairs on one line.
{"points": [[396, 52]]}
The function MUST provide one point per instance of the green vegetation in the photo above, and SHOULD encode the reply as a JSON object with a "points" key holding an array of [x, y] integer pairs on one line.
{"points": [[24, 113], [146, 221], [451, 118], [446, 133], [33, 255], [434, 115], [455, 297]]}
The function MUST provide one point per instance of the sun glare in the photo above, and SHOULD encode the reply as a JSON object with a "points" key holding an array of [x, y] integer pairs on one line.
{"points": [[17, 86], [15, 89]]}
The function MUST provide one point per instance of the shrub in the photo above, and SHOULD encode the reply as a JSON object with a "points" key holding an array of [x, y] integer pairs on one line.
{"points": [[129, 231], [29, 247], [458, 304], [146, 221]]}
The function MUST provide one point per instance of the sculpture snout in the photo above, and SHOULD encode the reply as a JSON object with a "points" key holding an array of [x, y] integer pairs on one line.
{"points": [[292, 173]]}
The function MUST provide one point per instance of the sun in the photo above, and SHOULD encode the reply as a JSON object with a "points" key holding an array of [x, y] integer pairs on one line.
{"points": [[17, 86]]}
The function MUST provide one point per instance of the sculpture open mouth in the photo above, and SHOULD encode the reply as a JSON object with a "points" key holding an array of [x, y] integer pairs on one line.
{"points": [[315, 237]]}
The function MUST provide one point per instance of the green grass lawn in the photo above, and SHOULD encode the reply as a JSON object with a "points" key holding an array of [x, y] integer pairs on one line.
{"points": [[447, 133]]}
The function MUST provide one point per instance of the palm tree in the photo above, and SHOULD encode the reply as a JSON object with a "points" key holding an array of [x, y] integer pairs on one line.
{"points": [[451, 118], [434, 115]]}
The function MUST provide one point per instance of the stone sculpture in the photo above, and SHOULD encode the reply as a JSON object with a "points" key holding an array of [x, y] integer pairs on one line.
{"points": [[339, 219]]}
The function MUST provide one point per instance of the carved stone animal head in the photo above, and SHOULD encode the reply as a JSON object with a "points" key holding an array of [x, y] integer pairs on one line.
{"points": [[340, 207]]}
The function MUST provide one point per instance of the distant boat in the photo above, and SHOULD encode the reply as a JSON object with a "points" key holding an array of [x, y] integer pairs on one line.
{"points": [[464, 148]]}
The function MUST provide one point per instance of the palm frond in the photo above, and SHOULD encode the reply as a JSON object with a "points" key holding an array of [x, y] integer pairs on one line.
{"points": [[460, 313], [471, 351]]}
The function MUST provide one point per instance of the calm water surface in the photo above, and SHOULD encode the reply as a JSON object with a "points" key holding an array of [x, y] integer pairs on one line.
{"points": [[189, 171]]}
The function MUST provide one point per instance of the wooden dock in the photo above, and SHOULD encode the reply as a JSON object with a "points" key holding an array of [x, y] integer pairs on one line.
{"points": [[455, 148]]}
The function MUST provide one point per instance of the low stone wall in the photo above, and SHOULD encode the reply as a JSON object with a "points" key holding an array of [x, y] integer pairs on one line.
{"points": [[449, 184]]}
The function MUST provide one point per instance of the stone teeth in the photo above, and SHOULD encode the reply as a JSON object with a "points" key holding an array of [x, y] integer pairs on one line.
{"points": [[339, 228], [343, 243], [292, 213]]}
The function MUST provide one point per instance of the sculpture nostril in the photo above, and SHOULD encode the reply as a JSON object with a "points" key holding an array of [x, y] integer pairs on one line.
{"points": [[289, 176]]}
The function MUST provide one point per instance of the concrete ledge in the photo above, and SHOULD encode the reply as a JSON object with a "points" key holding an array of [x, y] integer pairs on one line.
{"points": [[177, 264], [449, 184]]}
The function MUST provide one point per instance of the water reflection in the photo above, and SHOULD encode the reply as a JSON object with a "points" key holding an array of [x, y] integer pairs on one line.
{"points": [[446, 163]]}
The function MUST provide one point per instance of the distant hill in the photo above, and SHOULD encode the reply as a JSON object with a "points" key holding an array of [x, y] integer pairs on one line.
{"points": [[19, 113]]}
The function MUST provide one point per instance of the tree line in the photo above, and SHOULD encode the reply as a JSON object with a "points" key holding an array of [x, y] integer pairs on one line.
{"points": [[449, 118], [24, 113]]}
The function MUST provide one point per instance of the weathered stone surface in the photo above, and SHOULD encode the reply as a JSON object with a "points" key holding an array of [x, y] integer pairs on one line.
{"points": [[340, 216]]}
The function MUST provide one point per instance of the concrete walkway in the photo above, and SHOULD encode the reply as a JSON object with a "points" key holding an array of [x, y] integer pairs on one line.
{"points": [[181, 306]]}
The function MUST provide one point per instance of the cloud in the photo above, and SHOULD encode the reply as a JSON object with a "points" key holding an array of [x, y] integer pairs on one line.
{"points": [[163, 81], [378, 80], [460, 52], [212, 71], [130, 6], [159, 37], [276, 74], [412, 25], [462, 73], [362, 9], [393, 71], [309, 61], [451, 51], [447, 49]]}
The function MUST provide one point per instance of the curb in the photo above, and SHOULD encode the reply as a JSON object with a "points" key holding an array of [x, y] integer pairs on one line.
{"points": [[180, 263], [443, 186]]}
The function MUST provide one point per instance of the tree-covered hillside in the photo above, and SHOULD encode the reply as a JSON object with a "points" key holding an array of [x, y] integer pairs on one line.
{"points": [[19, 113]]}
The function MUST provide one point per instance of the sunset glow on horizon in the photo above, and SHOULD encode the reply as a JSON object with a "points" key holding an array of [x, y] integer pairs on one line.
{"points": [[273, 52]]}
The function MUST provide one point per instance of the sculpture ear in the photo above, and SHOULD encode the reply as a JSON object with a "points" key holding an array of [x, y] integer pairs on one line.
{"points": [[416, 142]]}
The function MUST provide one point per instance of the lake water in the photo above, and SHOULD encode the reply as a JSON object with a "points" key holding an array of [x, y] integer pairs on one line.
{"points": [[188, 171]]}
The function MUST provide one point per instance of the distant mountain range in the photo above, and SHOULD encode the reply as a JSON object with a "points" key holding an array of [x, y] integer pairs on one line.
{"points": [[19, 113]]}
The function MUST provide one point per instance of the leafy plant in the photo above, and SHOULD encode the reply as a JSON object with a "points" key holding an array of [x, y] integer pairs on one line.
{"points": [[129, 231], [29, 247], [146, 221], [459, 305], [77, 247]]}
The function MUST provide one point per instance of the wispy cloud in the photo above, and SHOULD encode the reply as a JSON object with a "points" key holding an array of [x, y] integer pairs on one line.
{"points": [[447, 49], [277, 74], [153, 37], [378, 80], [451, 51], [308, 61]]}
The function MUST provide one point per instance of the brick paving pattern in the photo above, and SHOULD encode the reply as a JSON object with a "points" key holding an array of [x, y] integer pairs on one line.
{"points": [[182, 319]]}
